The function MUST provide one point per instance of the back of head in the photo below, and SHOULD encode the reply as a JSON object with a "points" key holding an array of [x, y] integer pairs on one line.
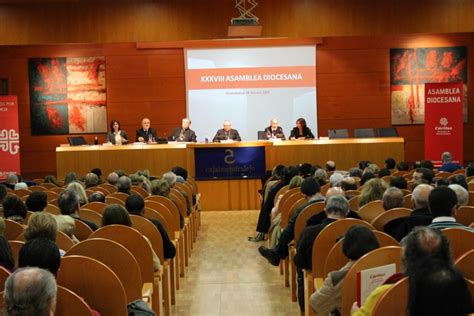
{"points": [[330, 165], [392, 198], [13, 206], [36, 201], [170, 177], [420, 196], [91, 180], [427, 164], [446, 157], [97, 197], [442, 201], [355, 172], [135, 204], [21, 186], [112, 178], [459, 179], [333, 192], [41, 253], [461, 193], [363, 164], [97, 172], [310, 187], [336, 179], [320, 174], [116, 215], [304, 169], [437, 290], [366, 176], [399, 182], [124, 184], [372, 190], [30, 291], [68, 202], [11, 178], [390, 163], [290, 172], [348, 183], [120, 172], [424, 243], [295, 182], [80, 191], [180, 171], [337, 205], [383, 173], [470, 170], [402, 166], [279, 172], [358, 241], [41, 225], [70, 177], [160, 187]]}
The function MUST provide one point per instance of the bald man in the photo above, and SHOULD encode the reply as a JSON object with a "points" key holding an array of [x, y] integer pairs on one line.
{"points": [[227, 133], [274, 131], [146, 134]]}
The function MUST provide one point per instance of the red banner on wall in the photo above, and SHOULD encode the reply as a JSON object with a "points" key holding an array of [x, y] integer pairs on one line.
{"points": [[444, 121], [9, 136]]}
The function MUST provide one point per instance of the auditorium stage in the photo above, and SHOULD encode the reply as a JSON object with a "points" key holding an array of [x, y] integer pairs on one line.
{"points": [[234, 194]]}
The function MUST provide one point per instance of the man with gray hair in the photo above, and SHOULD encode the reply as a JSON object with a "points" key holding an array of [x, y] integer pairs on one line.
{"points": [[448, 164], [30, 291], [336, 179], [461, 193], [170, 177], [91, 180], [124, 184], [392, 198], [11, 180], [69, 204], [112, 178]]}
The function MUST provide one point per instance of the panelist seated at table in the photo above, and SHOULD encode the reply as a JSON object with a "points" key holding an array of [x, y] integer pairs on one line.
{"points": [[116, 136], [183, 133], [274, 131], [146, 134], [301, 131], [227, 133]]}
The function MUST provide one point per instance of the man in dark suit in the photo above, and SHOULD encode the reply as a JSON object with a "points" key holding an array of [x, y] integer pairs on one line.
{"points": [[274, 131], [227, 133], [146, 134], [183, 133]]}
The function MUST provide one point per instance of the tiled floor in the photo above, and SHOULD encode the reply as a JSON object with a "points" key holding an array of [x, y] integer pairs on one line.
{"points": [[227, 276]]}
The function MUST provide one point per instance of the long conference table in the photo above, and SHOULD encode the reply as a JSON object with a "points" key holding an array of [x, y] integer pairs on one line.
{"points": [[225, 194]]}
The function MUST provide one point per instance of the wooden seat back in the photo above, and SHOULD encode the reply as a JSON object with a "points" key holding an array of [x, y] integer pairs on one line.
{"points": [[4, 274], [63, 241], [113, 200], [12, 229], [96, 283], [97, 207], [378, 257], [354, 203], [49, 186], [57, 190], [22, 192], [90, 216], [336, 258], [325, 188], [172, 219], [282, 190], [327, 238], [461, 240], [82, 231], [471, 198], [407, 201], [109, 187], [380, 221], [70, 304], [155, 215], [16, 245], [165, 201], [288, 194], [119, 195], [394, 301], [51, 195], [465, 264], [37, 188], [187, 189], [293, 202], [443, 175], [465, 215], [178, 199], [117, 258], [405, 192], [371, 210], [52, 209], [351, 193], [140, 191], [306, 213], [134, 241], [148, 229], [98, 189]]}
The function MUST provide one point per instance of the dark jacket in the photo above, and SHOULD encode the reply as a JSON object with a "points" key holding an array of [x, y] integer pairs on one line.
{"points": [[295, 132], [181, 135], [223, 135], [399, 228], [146, 135], [169, 251], [6, 256], [111, 137], [278, 133]]}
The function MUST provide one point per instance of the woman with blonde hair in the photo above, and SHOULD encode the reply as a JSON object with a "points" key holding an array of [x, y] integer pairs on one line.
{"points": [[372, 190], [81, 192]]}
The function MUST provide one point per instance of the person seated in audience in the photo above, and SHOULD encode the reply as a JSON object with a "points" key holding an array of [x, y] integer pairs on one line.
{"points": [[348, 184], [135, 205], [81, 193], [144, 173], [439, 182], [375, 169], [171, 178], [443, 204], [97, 197], [358, 241], [392, 198], [448, 164], [366, 176], [115, 214], [311, 190], [11, 180], [336, 208], [363, 164], [6, 255], [161, 187], [69, 204], [183, 133], [67, 225], [427, 164], [469, 170], [384, 172], [459, 179], [40, 252], [304, 170], [91, 180], [146, 134], [41, 225], [461, 193], [264, 218], [301, 131], [30, 291], [21, 186], [120, 173], [180, 171], [402, 166], [399, 182], [124, 185], [140, 181], [70, 177], [321, 176], [112, 178], [390, 163], [116, 136], [417, 164], [36, 201], [98, 173], [372, 190], [275, 231], [422, 244], [274, 131], [52, 179], [355, 172], [227, 133], [336, 179], [330, 166], [14, 209], [437, 289]]}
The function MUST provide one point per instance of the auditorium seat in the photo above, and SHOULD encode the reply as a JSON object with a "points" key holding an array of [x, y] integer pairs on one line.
{"points": [[69, 303], [37, 188], [118, 195], [338, 133], [90, 215], [21, 192], [97, 207], [371, 210], [16, 245], [354, 203], [387, 216], [387, 132], [52, 209], [109, 187], [180, 202], [82, 231], [461, 240], [465, 215], [12, 229], [394, 301], [465, 264], [364, 132], [98, 189], [109, 200], [49, 186], [141, 191], [63, 241]]}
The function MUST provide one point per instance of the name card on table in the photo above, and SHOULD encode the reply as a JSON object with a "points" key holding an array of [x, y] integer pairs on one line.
{"points": [[229, 163]]}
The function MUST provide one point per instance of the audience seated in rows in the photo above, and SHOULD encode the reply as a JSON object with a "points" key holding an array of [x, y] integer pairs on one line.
{"points": [[36, 201], [459, 179], [97, 197], [98, 173], [14, 209], [30, 291]]}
